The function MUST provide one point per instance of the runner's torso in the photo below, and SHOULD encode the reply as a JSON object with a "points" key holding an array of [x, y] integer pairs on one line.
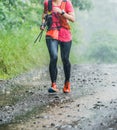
{"points": [[57, 30]]}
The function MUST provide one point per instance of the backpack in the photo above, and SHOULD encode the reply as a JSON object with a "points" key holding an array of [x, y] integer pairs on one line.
{"points": [[63, 21]]}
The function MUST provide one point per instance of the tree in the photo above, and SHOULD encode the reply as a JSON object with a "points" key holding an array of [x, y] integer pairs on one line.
{"points": [[82, 4], [14, 13]]}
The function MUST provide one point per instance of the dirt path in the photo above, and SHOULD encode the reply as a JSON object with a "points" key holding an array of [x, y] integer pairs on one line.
{"points": [[97, 111], [92, 104]]}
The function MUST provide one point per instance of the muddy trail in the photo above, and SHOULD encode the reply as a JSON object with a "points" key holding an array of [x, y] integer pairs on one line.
{"points": [[92, 105]]}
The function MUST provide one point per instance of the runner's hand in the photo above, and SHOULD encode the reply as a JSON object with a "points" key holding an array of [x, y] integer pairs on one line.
{"points": [[42, 27], [57, 10]]}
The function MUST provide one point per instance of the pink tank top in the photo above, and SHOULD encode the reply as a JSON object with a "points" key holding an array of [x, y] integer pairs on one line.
{"points": [[64, 35]]}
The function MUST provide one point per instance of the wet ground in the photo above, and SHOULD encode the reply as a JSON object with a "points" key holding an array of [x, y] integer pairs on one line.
{"points": [[92, 105]]}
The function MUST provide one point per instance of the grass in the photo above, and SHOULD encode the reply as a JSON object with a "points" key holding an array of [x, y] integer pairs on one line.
{"points": [[19, 53]]}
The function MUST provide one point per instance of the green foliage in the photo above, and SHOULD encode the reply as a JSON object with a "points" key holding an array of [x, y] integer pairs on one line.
{"points": [[19, 27], [41, 1], [82, 4], [103, 48], [19, 53], [18, 20], [15, 13]]}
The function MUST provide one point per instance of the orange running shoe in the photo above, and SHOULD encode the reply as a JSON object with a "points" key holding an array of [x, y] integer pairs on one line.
{"points": [[53, 88], [66, 88]]}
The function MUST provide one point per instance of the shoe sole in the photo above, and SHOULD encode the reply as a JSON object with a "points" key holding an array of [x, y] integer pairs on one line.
{"points": [[66, 91], [51, 90]]}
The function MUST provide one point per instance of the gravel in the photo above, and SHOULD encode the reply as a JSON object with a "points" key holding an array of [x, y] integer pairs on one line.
{"points": [[92, 104]]}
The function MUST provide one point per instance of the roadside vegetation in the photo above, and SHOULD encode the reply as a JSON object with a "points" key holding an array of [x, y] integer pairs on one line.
{"points": [[19, 27], [103, 48]]}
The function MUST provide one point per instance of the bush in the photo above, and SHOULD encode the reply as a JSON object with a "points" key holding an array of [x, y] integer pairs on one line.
{"points": [[103, 48], [19, 27], [14, 14], [82, 4], [18, 53]]}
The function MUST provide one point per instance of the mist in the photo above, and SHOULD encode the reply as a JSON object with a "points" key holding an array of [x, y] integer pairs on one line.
{"points": [[98, 28]]}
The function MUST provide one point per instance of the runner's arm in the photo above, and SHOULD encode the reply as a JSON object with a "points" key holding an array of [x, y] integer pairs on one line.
{"points": [[70, 16], [43, 15], [42, 27]]}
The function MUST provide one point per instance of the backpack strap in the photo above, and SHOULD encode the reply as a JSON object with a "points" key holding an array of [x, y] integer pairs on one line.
{"points": [[63, 4], [49, 6]]}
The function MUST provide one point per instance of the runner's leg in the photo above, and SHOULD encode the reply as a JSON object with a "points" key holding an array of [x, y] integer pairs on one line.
{"points": [[65, 51], [52, 46]]}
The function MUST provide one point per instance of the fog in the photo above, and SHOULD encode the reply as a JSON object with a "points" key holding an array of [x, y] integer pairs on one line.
{"points": [[98, 28]]}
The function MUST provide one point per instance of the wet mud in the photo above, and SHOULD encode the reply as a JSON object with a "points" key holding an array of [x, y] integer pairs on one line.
{"points": [[92, 105]]}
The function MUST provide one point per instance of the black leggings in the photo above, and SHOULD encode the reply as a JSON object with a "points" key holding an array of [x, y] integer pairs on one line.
{"points": [[65, 47]]}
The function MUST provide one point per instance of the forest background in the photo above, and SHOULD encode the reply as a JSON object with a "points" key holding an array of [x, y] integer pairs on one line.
{"points": [[19, 27]]}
